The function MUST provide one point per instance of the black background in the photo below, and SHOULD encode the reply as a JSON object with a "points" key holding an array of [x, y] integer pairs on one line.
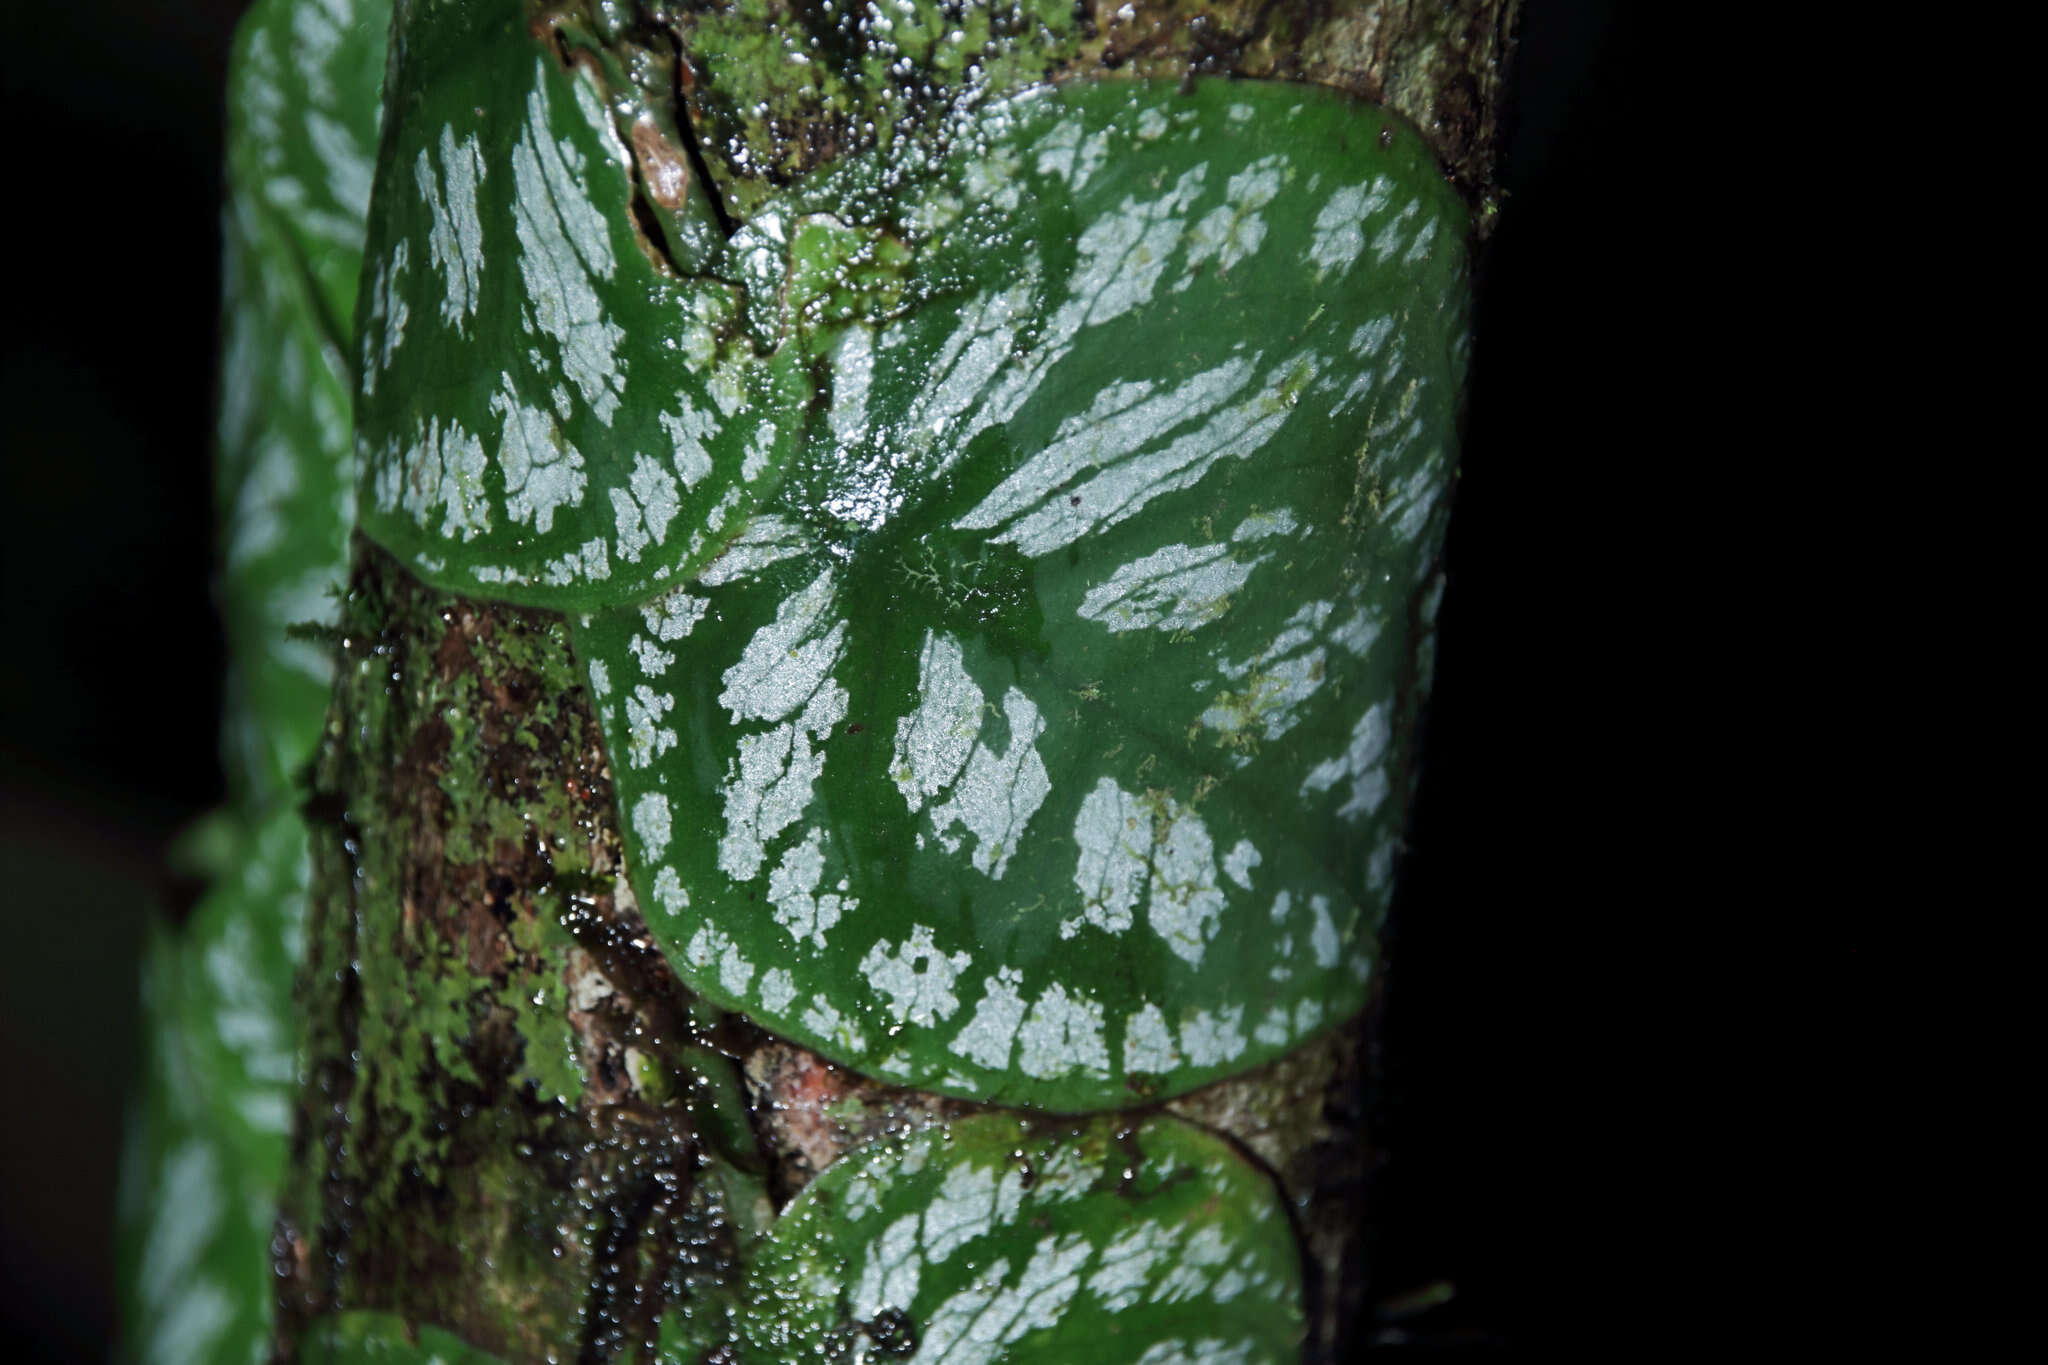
{"points": [[110, 690]]}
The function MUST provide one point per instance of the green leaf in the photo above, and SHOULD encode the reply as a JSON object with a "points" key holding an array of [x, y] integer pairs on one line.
{"points": [[547, 414], [302, 137], [1033, 1243], [302, 141], [207, 1140], [1043, 739], [206, 1147]]}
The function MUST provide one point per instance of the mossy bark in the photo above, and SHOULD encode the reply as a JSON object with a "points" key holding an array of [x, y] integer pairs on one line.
{"points": [[510, 1104], [518, 1124], [769, 89]]}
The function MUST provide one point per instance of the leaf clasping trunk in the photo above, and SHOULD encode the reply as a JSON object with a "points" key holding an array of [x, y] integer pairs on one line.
{"points": [[863, 520]]}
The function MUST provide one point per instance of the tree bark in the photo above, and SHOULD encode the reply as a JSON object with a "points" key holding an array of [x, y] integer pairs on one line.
{"points": [[518, 1124]]}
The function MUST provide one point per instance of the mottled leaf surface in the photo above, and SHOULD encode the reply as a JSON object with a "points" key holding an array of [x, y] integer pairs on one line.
{"points": [[1037, 741], [1052, 1244], [303, 97], [207, 1137], [303, 115], [547, 415], [206, 1144]]}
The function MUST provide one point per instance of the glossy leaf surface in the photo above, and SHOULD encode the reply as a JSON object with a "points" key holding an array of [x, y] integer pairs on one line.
{"points": [[303, 99], [1068, 1244], [546, 414], [1037, 741]]}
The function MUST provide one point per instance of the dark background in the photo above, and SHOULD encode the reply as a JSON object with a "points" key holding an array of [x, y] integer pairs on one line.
{"points": [[109, 689]]}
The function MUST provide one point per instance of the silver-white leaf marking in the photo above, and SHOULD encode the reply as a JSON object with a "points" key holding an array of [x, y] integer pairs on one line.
{"points": [[711, 946], [1125, 842], [1114, 835], [1233, 230], [651, 823], [793, 887], [1148, 1043], [787, 661], [993, 793], [1360, 762], [565, 245], [1104, 465], [1061, 1035], [785, 668], [543, 471], [917, 977], [987, 1037], [1182, 587], [456, 237], [646, 737]]}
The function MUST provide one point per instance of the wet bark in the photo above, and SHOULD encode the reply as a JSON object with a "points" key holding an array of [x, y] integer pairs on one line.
{"points": [[519, 1124]]}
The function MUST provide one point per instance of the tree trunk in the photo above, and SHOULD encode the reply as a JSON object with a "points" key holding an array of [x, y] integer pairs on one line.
{"points": [[524, 1123]]}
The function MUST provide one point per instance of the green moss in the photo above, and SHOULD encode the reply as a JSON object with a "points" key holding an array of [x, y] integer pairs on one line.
{"points": [[848, 1110], [784, 86], [533, 662], [840, 274], [384, 1337], [535, 992], [539, 648], [505, 1109], [447, 1070]]}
